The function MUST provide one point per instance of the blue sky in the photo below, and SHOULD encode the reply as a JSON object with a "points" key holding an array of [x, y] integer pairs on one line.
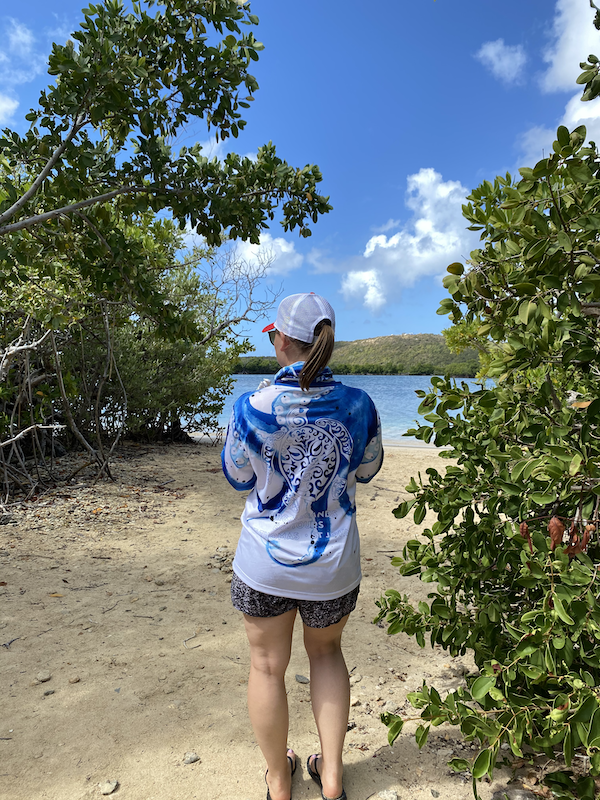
{"points": [[405, 107]]}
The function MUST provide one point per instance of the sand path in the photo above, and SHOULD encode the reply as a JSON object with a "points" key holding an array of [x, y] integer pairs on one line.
{"points": [[101, 585]]}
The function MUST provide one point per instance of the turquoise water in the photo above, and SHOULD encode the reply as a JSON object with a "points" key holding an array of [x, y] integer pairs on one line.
{"points": [[394, 396]]}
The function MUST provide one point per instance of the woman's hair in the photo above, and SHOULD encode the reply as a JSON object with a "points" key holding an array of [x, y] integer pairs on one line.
{"points": [[317, 354]]}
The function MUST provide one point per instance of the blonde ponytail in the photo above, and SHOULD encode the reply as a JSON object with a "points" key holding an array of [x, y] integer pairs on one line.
{"points": [[319, 353]]}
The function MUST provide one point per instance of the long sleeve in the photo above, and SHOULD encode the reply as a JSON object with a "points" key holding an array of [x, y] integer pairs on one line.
{"points": [[235, 459], [373, 456]]}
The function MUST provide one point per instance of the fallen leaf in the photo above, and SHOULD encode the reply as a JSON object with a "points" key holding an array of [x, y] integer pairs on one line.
{"points": [[55, 594]]}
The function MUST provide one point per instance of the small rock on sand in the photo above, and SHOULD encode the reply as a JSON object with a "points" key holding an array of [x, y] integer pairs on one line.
{"points": [[388, 794], [108, 787], [191, 758], [43, 676], [302, 679]]}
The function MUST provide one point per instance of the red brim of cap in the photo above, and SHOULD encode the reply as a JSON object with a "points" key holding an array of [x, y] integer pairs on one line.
{"points": [[270, 327]]}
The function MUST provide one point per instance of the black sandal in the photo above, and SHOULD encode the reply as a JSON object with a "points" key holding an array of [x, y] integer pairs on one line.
{"points": [[314, 774], [293, 765]]}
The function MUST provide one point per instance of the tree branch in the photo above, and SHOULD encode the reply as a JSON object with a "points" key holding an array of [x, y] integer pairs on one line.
{"points": [[91, 225], [67, 408], [36, 427], [10, 352], [30, 222], [18, 204]]}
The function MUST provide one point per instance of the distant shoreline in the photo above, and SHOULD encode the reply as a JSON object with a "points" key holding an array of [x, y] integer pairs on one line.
{"points": [[373, 374], [402, 354]]}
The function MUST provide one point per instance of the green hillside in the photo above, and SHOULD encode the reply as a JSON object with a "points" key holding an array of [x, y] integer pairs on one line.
{"points": [[406, 354]]}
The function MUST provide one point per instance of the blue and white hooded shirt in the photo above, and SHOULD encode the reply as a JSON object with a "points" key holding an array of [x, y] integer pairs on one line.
{"points": [[300, 454]]}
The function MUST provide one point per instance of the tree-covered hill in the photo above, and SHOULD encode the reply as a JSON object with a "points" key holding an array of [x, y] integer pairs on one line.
{"points": [[406, 354]]}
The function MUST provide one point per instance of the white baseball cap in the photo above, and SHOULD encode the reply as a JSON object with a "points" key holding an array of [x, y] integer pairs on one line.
{"points": [[299, 314]]}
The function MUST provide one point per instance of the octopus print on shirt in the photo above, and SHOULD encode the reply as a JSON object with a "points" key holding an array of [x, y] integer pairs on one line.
{"points": [[300, 454]]}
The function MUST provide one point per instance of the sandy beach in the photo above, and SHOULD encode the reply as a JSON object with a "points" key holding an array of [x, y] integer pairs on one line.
{"points": [[121, 652]]}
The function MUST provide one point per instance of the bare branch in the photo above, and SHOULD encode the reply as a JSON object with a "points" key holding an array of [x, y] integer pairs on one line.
{"points": [[67, 408], [9, 354], [232, 283], [36, 427]]}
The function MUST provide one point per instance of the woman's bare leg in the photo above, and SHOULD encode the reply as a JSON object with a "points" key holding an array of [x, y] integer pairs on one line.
{"points": [[330, 695], [270, 641]]}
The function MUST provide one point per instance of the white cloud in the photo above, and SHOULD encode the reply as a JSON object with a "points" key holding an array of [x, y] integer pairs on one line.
{"points": [[19, 61], [279, 252], [8, 106], [20, 39], [435, 236], [536, 142], [573, 38], [387, 226], [219, 150], [588, 114], [505, 62], [322, 261], [365, 285], [213, 149], [62, 29]]}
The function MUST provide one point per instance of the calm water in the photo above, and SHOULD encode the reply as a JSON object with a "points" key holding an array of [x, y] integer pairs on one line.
{"points": [[394, 396]]}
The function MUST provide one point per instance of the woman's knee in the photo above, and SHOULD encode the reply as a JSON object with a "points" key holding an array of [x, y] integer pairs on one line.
{"points": [[270, 664], [324, 642], [270, 641]]}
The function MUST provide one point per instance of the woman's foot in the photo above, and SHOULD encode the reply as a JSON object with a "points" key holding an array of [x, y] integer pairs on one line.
{"points": [[312, 766], [278, 789]]}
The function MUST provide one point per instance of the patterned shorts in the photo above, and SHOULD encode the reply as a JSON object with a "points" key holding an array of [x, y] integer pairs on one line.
{"points": [[314, 613]]}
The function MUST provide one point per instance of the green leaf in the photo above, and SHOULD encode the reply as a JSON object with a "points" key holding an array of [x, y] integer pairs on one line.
{"points": [[560, 610], [401, 511], [575, 464], [563, 135], [579, 171], [586, 76], [413, 486], [525, 310], [459, 765], [456, 268], [552, 282], [481, 686], [421, 735], [526, 288], [543, 498], [564, 242], [482, 764], [419, 514], [594, 730], [517, 469], [394, 728]]}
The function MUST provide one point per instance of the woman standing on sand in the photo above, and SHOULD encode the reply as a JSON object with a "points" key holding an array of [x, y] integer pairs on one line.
{"points": [[300, 445]]}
